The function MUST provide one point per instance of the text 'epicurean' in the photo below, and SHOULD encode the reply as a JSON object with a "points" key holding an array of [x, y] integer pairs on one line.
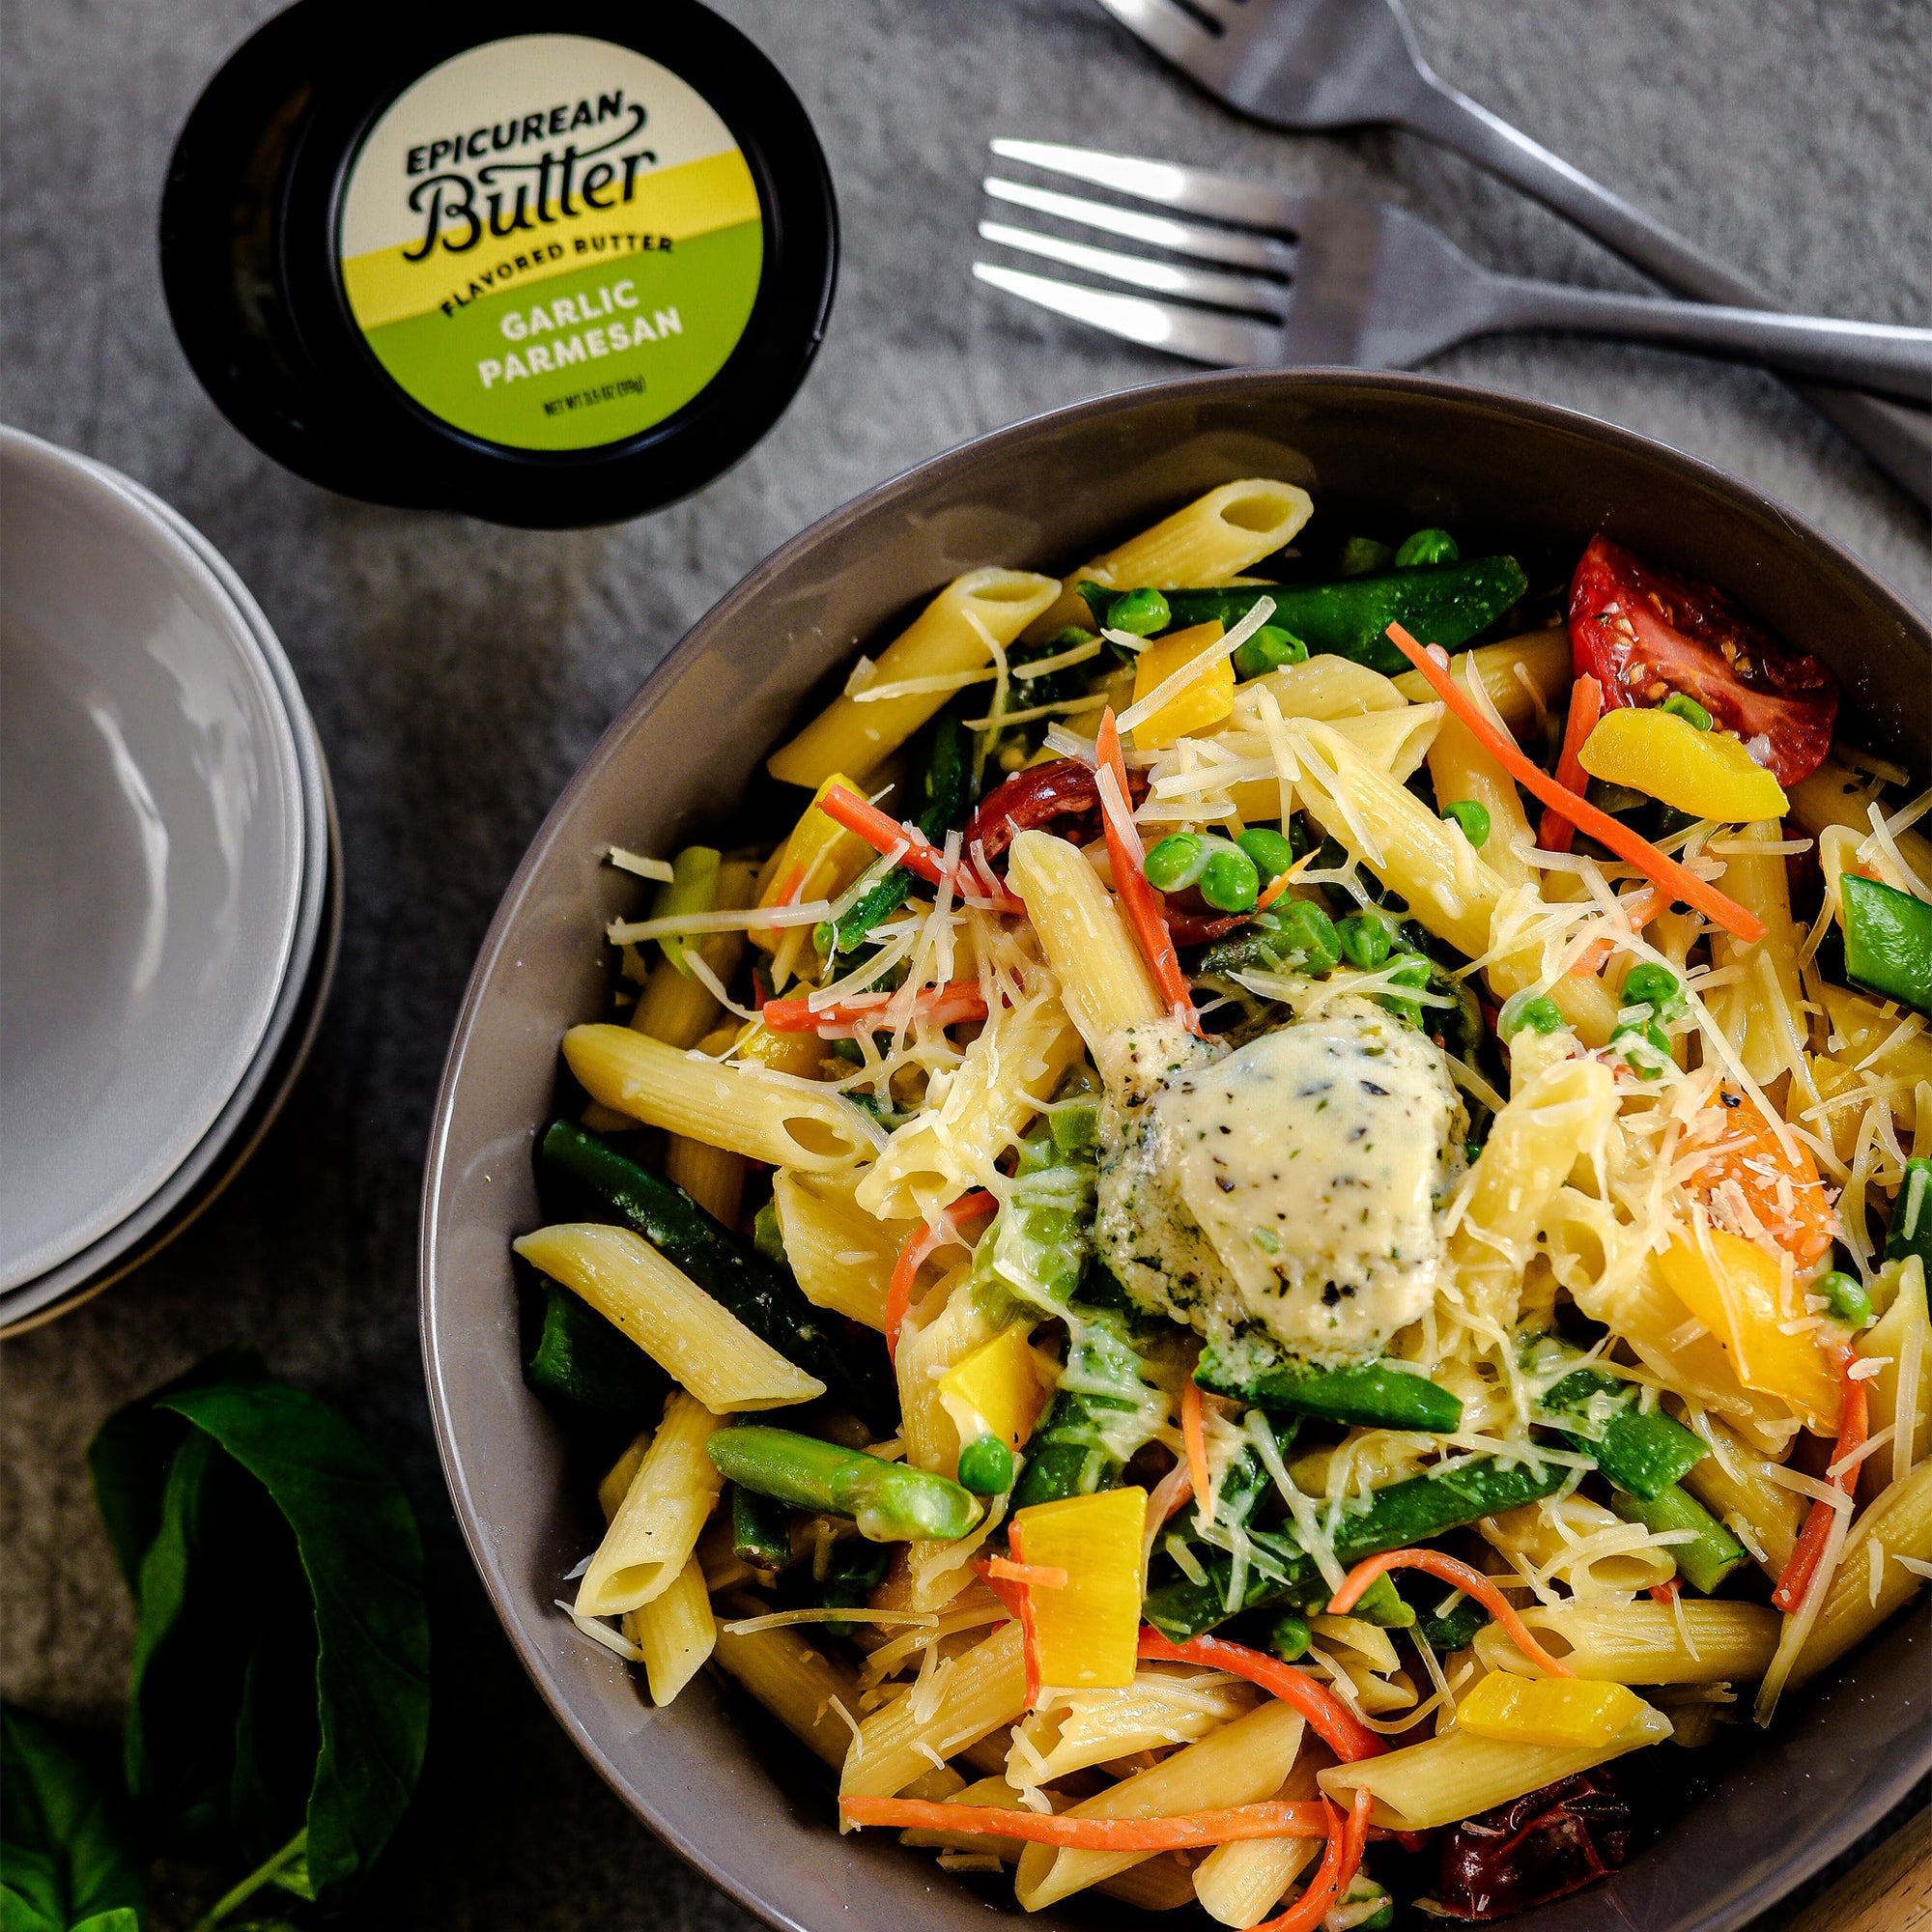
{"points": [[594, 336], [460, 204]]}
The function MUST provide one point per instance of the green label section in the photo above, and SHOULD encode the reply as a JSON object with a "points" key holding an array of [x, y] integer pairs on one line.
{"points": [[587, 356]]}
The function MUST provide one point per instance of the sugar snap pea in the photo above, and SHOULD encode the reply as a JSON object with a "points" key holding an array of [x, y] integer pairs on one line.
{"points": [[588, 1366], [1887, 941], [1910, 1230], [890, 1501], [1713, 1551], [1371, 1396], [854, 1368], [1445, 604], [761, 1529], [1642, 1450]]}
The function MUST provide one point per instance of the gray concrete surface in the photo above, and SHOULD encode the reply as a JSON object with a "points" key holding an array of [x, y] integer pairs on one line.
{"points": [[459, 673]]}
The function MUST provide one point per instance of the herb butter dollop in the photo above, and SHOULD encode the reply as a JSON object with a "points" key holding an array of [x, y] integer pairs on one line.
{"points": [[1294, 1186]]}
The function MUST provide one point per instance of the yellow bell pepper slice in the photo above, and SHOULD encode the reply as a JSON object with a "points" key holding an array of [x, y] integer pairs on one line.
{"points": [[1707, 773], [1085, 1634], [1738, 1301], [1565, 1711], [1208, 699], [996, 1390]]}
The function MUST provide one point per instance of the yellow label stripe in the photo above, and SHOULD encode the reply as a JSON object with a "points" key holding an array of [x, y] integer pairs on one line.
{"points": [[383, 286]]}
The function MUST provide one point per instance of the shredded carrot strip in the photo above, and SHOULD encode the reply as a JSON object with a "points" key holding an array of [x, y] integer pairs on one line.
{"points": [[1794, 1580], [920, 856], [1194, 1437], [1586, 706], [1340, 1861], [1643, 907], [1470, 1580], [1136, 895], [1331, 1719], [1022, 1596], [1185, 1831], [1274, 889], [1678, 880], [1035, 1575], [951, 1005], [1666, 1593], [918, 1244]]}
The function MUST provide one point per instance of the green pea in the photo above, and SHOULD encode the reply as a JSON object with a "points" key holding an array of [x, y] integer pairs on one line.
{"points": [[1537, 1012], [1141, 613], [1365, 940], [1271, 853], [1289, 1636], [1229, 881], [1848, 1302], [1176, 863], [1363, 556], [987, 1466], [1428, 547], [1472, 816], [1648, 1049], [1686, 708], [1310, 933], [1269, 650], [1654, 986]]}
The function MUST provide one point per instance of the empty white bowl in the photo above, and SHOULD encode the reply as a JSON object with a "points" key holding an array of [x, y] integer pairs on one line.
{"points": [[152, 853]]}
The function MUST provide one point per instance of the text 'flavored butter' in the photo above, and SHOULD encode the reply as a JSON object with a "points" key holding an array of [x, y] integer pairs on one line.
{"points": [[550, 267]]}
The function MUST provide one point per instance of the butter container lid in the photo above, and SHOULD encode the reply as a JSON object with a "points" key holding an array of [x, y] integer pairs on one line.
{"points": [[548, 267]]}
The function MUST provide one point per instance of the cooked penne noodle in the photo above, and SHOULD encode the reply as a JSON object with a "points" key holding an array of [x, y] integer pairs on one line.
{"points": [[1241, 1763], [616, 1483], [1326, 688], [747, 1109], [1073, 1729], [1463, 768], [677, 1632], [1760, 1009], [842, 1256], [713, 1177], [1211, 540], [798, 1683], [953, 634], [678, 1007], [1240, 1883], [668, 1316], [1900, 1396], [1735, 1485], [1104, 981], [1834, 794], [1539, 659], [1009, 1074], [1578, 1542], [1900, 1522], [1458, 1773], [1695, 1641], [984, 1689], [655, 1530]]}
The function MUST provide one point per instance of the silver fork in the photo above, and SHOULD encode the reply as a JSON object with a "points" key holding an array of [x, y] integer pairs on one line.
{"points": [[1318, 63], [1360, 282]]}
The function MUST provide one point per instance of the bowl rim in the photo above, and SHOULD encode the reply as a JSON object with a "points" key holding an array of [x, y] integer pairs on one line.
{"points": [[505, 1599], [256, 651]]}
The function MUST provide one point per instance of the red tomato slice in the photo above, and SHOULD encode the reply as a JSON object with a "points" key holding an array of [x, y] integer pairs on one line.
{"points": [[1643, 632]]}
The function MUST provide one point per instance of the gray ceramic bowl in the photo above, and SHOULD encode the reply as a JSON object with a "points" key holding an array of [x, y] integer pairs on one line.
{"points": [[152, 854], [713, 1777]]}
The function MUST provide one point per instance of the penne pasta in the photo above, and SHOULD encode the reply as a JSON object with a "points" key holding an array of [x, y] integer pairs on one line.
{"points": [[668, 1316], [656, 1527], [1240, 1883], [1210, 541], [678, 1007], [1458, 1773], [1900, 1522], [841, 1257], [1073, 1729], [713, 1177], [1735, 1484], [1697, 1640], [803, 1687], [953, 634], [746, 1108], [1464, 768], [1760, 1009], [677, 1632], [1104, 983], [1241, 1763], [1523, 676]]}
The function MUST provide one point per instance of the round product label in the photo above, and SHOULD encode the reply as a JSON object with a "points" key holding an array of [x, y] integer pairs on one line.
{"points": [[551, 241]]}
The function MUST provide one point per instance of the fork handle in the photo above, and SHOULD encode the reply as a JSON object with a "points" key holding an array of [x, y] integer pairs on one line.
{"points": [[1870, 355], [1897, 440]]}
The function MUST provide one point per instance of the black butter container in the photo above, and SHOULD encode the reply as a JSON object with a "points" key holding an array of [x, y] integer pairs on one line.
{"points": [[548, 266]]}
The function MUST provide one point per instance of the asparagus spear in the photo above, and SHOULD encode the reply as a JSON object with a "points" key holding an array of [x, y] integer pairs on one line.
{"points": [[889, 1501]]}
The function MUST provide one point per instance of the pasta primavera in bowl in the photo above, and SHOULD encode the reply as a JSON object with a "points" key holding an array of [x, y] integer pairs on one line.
{"points": [[1284, 1215]]}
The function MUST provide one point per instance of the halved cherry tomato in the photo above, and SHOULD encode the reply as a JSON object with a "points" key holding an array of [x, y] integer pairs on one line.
{"points": [[1063, 790], [1645, 632]]}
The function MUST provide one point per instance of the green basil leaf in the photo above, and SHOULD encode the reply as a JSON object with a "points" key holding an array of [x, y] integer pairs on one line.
{"points": [[360, 1550], [65, 1859], [129, 1458]]}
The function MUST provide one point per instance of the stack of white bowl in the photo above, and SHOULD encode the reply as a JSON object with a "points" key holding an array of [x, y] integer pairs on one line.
{"points": [[170, 877]]}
